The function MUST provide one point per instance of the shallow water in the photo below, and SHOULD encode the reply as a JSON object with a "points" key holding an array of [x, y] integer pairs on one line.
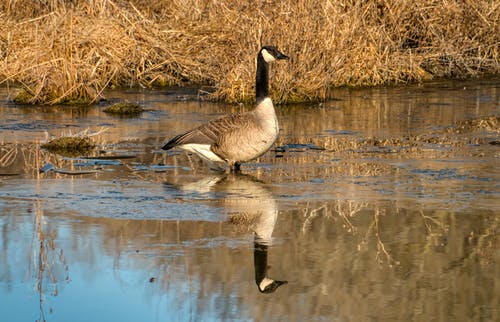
{"points": [[379, 205]]}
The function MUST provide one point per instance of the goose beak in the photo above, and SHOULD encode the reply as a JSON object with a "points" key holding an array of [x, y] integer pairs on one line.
{"points": [[282, 56]]}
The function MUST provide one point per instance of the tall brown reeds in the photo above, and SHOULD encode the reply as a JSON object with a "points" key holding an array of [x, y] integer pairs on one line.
{"points": [[73, 50]]}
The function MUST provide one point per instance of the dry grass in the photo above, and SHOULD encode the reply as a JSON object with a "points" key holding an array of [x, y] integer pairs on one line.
{"points": [[62, 51], [124, 109], [73, 144], [69, 145]]}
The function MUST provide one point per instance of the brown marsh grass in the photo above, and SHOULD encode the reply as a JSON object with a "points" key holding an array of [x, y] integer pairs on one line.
{"points": [[66, 51]]}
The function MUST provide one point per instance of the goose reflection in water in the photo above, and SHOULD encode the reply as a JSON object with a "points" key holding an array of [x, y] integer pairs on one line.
{"points": [[248, 202]]}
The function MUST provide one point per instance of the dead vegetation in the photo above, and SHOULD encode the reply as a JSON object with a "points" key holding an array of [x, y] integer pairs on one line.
{"points": [[72, 144], [487, 124], [64, 51], [124, 109], [69, 145]]}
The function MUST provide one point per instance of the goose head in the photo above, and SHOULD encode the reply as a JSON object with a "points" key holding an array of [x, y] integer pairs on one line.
{"points": [[268, 285], [271, 53], [265, 284]]}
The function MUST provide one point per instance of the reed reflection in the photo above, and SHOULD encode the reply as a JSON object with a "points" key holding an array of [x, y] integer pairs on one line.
{"points": [[47, 265], [249, 205]]}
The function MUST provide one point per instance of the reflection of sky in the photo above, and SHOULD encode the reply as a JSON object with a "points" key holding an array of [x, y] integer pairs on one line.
{"points": [[333, 271], [111, 199], [108, 297], [100, 286]]}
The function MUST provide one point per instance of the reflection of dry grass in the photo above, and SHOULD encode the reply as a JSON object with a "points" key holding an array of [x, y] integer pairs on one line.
{"points": [[344, 209], [381, 248], [485, 245], [490, 124], [29, 158], [9, 154], [481, 244], [71, 51], [46, 258], [310, 215], [433, 225], [347, 210], [343, 152], [357, 168], [25, 157]]}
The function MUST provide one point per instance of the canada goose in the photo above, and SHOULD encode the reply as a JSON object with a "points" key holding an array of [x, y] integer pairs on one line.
{"points": [[239, 137]]}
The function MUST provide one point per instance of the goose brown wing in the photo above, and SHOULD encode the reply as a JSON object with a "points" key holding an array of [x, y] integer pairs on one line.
{"points": [[208, 133]]}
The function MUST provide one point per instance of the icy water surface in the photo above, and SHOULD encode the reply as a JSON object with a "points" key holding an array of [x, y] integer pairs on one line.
{"points": [[379, 205]]}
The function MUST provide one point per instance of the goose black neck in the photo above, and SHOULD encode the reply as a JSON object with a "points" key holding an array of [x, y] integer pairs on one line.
{"points": [[262, 79], [260, 261]]}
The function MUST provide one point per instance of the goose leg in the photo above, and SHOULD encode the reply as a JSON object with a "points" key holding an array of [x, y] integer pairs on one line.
{"points": [[235, 167]]}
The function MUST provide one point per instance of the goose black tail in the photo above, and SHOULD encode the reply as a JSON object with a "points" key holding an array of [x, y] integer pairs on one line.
{"points": [[172, 143]]}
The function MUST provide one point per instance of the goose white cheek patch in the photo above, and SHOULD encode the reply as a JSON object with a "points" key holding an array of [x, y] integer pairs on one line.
{"points": [[265, 283], [267, 56]]}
